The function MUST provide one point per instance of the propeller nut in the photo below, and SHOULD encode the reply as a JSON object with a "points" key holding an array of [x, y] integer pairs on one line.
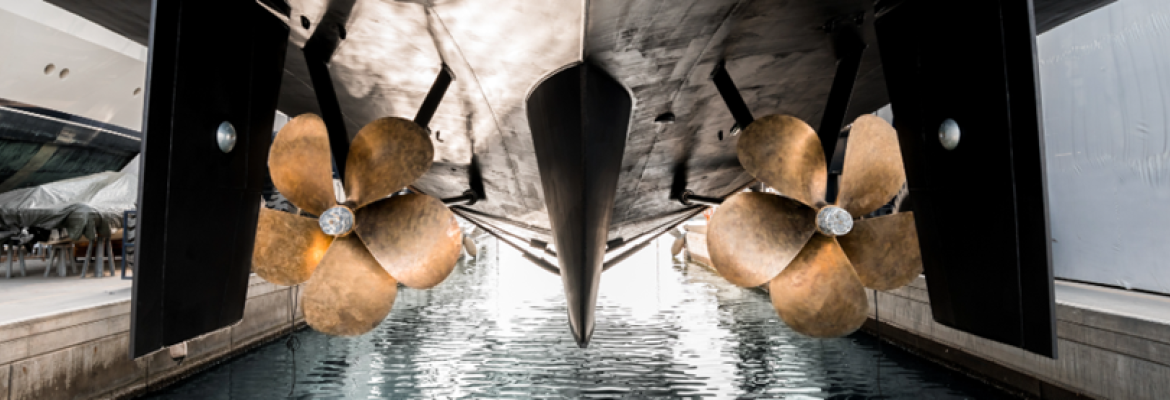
{"points": [[337, 221], [834, 221]]}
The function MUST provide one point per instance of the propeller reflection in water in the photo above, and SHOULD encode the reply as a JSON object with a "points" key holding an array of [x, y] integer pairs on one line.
{"points": [[497, 328]]}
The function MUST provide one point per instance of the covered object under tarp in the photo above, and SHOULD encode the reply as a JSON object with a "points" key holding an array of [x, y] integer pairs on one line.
{"points": [[87, 206]]}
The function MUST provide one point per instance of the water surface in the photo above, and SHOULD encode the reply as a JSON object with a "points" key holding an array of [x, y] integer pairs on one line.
{"points": [[497, 329]]}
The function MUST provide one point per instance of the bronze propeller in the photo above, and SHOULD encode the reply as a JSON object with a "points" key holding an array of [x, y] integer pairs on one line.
{"points": [[357, 251], [817, 256]]}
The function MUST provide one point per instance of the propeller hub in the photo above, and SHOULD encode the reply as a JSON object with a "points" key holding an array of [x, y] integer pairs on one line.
{"points": [[834, 221], [337, 221]]}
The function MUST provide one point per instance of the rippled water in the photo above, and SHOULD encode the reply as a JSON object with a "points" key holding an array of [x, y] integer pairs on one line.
{"points": [[497, 329]]}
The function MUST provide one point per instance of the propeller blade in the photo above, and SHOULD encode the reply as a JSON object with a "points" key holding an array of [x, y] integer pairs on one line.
{"points": [[349, 293], [753, 236], [301, 166], [414, 236], [288, 247], [884, 250], [677, 246], [784, 152], [873, 171], [819, 295], [469, 245], [386, 156]]}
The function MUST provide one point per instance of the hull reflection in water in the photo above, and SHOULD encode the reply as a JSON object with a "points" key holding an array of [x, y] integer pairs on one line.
{"points": [[497, 328]]}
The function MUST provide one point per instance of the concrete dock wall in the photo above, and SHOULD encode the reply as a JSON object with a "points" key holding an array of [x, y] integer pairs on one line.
{"points": [[84, 354], [1112, 344], [1102, 353]]}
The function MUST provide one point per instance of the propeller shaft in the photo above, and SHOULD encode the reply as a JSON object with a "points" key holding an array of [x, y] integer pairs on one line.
{"points": [[689, 198]]}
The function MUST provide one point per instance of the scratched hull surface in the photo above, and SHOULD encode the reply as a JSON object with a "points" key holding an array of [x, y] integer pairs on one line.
{"points": [[497, 329], [663, 51]]}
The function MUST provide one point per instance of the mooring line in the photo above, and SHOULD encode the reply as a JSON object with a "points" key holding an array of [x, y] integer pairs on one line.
{"points": [[292, 343], [878, 330]]}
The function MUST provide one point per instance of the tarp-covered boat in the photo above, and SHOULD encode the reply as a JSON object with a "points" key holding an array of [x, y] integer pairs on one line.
{"points": [[86, 206]]}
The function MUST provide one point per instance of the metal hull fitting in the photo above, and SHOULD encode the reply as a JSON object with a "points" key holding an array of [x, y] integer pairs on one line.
{"points": [[991, 275], [579, 119], [182, 290]]}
